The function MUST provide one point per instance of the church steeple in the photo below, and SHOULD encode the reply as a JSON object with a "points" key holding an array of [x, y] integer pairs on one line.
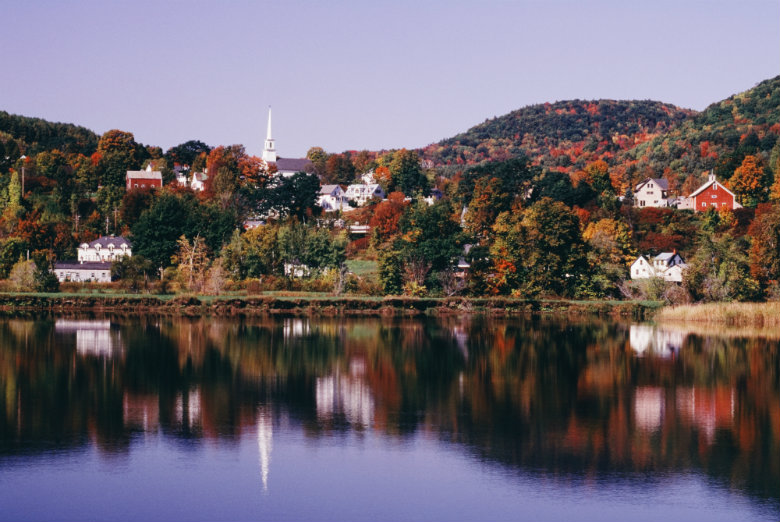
{"points": [[269, 151]]}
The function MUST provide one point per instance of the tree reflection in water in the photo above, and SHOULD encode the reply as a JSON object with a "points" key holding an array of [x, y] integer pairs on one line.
{"points": [[562, 397]]}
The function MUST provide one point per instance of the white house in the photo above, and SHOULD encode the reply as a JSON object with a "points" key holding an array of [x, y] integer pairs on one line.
{"points": [[104, 249], [331, 198], [181, 175], [94, 260], [652, 192], [82, 272], [669, 266], [361, 193]]}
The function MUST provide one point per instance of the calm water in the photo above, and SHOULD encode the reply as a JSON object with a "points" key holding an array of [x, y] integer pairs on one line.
{"points": [[457, 419]]}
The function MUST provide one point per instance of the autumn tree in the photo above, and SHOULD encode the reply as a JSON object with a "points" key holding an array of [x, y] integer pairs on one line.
{"points": [[384, 221], [192, 259], [22, 276], [608, 256], [363, 162], [764, 236], [339, 169], [117, 153], [749, 181], [488, 201]]}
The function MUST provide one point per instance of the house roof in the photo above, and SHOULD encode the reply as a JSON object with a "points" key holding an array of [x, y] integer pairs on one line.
{"points": [[293, 164], [104, 241], [328, 189], [664, 184], [75, 265], [707, 184], [144, 174]]}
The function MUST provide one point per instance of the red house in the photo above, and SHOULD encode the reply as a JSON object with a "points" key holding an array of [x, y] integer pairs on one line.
{"points": [[144, 178], [711, 194]]}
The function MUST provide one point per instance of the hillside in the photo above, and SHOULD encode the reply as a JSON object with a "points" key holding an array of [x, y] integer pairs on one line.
{"points": [[33, 135], [562, 136], [717, 138]]}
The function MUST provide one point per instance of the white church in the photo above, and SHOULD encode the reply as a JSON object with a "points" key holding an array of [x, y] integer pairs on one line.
{"points": [[284, 166]]}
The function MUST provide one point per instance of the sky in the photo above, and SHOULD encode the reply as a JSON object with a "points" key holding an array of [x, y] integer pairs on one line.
{"points": [[365, 74]]}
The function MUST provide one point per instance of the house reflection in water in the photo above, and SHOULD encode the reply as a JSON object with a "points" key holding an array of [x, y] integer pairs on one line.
{"points": [[648, 408], [93, 337], [187, 410], [704, 409], [294, 327], [646, 340], [349, 395]]}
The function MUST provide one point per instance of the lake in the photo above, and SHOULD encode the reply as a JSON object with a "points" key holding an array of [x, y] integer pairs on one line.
{"points": [[458, 418]]}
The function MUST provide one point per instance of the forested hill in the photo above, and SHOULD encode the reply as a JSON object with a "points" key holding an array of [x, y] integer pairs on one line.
{"points": [[34, 135], [563, 136], [718, 138]]}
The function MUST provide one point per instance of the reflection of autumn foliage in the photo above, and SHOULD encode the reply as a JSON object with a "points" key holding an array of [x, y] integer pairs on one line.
{"points": [[557, 396]]}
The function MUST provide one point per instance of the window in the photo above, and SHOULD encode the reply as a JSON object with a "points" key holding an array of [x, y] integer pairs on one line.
{"points": [[703, 203], [714, 196]]}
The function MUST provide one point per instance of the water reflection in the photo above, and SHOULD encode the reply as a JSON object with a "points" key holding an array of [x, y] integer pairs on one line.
{"points": [[557, 398]]}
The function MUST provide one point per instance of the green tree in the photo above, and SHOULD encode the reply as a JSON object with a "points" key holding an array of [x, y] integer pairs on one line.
{"points": [[541, 252], [186, 153], [391, 271], [293, 196], [133, 270], [431, 233], [407, 175], [158, 229], [118, 153], [319, 159], [719, 271]]}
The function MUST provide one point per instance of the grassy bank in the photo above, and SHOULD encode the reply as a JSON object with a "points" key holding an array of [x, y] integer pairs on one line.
{"points": [[291, 304], [755, 315]]}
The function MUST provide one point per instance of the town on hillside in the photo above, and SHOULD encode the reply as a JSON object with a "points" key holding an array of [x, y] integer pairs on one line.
{"points": [[615, 218]]}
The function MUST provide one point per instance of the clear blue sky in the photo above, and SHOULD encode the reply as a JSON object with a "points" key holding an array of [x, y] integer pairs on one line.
{"points": [[365, 74]]}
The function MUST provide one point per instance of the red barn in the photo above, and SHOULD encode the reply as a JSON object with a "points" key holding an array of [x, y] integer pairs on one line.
{"points": [[711, 194], [144, 178]]}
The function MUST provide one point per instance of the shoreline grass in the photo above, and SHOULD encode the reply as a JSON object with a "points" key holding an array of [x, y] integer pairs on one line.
{"points": [[306, 303], [755, 315]]}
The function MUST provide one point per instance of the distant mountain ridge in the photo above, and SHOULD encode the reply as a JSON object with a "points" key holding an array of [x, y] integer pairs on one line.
{"points": [[563, 136], [718, 138]]}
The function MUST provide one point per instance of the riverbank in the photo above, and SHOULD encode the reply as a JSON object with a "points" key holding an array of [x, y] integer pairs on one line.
{"points": [[753, 315], [316, 305]]}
